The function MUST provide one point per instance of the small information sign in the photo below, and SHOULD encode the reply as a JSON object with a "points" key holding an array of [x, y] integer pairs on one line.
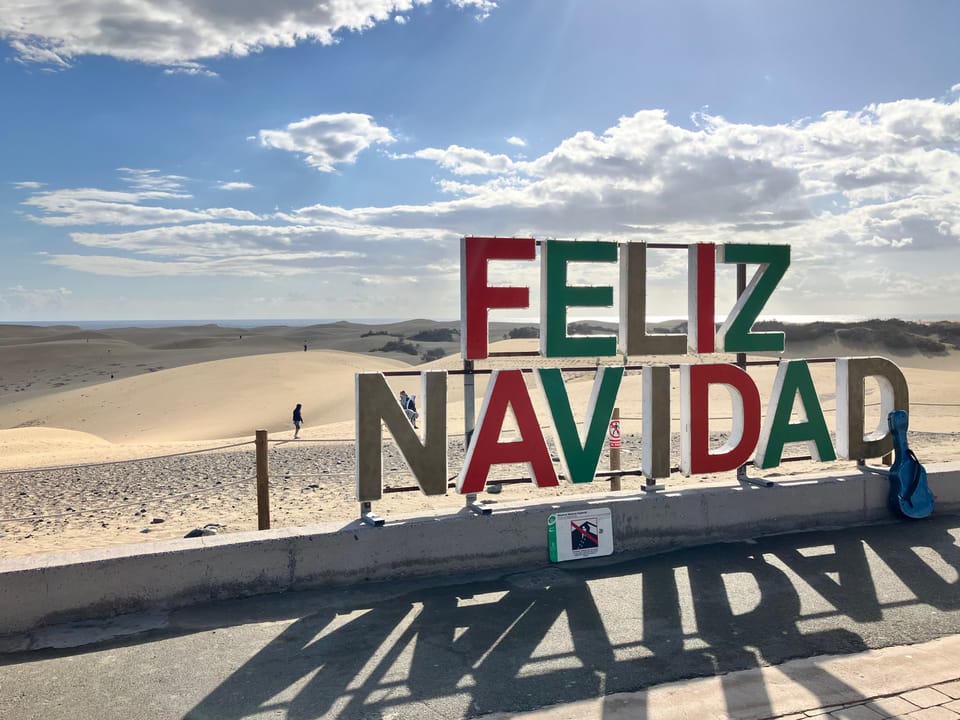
{"points": [[580, 534], [615, 433]]}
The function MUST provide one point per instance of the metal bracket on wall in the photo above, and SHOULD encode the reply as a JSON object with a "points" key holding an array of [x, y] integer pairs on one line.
{"points": [[368, 516]]}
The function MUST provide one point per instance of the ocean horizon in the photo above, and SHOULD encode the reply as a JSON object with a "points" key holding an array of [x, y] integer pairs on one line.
{"points": [[303, 322]]}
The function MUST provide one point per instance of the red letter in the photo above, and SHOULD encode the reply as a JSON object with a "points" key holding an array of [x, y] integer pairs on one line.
{"points": [[701, 288], [506, 389], [695, 454], [477, 297]]}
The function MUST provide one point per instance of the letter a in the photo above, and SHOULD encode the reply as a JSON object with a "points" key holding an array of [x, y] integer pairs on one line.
{"points": [[793, 378], [506, 389]]}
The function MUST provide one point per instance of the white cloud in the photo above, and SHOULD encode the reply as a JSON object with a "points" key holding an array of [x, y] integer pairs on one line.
{"points": [[647, 172], [328, 140], [518, 141], [190, 69], [92, 206], [238, 266], [28, 185], [39, 50], [22, 300], [463, 161], [152, 179], [482, 8], [177, 34], [259, 250], [234, 186]]}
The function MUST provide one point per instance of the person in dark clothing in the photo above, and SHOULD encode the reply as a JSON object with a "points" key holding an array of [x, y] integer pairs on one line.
{"points": [[411, 410], [297, 421]]}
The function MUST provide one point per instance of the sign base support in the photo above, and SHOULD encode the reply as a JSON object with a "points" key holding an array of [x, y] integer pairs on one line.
{"points": [[744, 480], [473, 506], [368, 517]]}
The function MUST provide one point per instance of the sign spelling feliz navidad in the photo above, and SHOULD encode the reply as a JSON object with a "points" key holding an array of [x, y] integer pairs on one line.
{"points": [[754, 433]]}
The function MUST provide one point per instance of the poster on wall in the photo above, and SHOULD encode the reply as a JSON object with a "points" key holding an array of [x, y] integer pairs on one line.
{"points": [[580, 534]]}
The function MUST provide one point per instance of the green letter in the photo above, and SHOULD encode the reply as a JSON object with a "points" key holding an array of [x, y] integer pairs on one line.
{"points": [[580, 459], [793, 376], [556, 296], [734, 335]]}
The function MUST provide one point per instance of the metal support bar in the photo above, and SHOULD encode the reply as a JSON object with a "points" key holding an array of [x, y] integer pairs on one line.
{"points": [[368, 516], [469, 418], [477, 508], [752, 481], [742, 364]]}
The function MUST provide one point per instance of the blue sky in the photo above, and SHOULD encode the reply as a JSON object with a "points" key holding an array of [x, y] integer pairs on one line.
{"points": [[188, 159]]}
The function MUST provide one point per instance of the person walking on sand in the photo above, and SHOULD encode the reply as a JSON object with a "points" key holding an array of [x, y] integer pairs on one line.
{"points": [[411, 410], [297, 421]]}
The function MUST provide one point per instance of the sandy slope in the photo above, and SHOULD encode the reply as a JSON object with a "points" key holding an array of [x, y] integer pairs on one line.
{"points": [[219, 399]]}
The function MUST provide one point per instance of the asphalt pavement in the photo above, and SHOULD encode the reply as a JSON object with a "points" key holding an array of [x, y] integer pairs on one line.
{"points": [[783, 626]]}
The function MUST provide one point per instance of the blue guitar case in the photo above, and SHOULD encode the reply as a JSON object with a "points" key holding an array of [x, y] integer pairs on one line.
{"points": [[909, 494]]}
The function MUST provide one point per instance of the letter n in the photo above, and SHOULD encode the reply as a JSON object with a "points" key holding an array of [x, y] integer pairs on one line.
{"points": [[378, 405]]}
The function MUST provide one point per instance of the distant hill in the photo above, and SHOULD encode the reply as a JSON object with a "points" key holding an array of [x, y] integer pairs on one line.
{"points": [[897, 336]]}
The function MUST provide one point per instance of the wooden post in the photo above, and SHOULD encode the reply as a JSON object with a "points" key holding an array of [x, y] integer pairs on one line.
{"points": [[263, 482], [615, 452]]}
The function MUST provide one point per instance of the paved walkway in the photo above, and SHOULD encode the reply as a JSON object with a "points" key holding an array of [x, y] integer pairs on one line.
{"points": [[920, 682], [853, 623]]}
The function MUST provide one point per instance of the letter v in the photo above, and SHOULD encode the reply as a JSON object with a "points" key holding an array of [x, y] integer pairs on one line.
{"points": [[579, 458]]}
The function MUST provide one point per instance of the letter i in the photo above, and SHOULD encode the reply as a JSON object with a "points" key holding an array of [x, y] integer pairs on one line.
{"points": [[701, 288]]}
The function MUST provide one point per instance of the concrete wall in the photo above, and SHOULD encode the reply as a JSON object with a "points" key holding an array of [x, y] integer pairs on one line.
{"points": [[96, 584]]}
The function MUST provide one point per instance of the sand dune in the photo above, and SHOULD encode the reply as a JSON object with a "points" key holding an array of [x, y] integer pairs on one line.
{"points": [[210, 400]]}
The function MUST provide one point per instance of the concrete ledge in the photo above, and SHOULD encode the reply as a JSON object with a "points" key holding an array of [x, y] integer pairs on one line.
{"points": [[97, 584]]}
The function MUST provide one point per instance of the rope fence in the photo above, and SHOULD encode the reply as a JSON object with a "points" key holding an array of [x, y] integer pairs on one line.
{"points": [[53, 468]]}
